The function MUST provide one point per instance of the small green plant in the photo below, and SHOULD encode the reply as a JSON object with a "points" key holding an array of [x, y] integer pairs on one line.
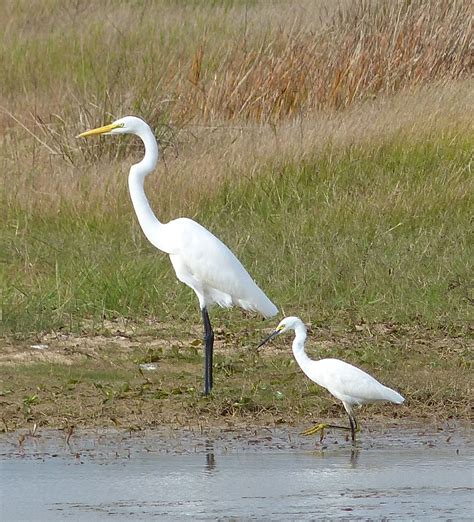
{"points": [[28, 402]]}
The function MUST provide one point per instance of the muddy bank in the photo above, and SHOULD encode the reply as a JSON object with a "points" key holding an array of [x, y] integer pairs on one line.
{"points": [[136, 379], [106, 444]]}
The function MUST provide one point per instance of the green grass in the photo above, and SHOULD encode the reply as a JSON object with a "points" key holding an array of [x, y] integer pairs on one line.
{"points": [[328, 144], [354, 234], [380, 234]]}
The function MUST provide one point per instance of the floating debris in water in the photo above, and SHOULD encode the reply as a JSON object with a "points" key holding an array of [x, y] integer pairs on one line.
{"points": [[149, 366], [39, 346]]}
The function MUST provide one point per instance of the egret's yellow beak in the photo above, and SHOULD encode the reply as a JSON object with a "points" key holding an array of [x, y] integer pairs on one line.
{"points": [[99, 130]]}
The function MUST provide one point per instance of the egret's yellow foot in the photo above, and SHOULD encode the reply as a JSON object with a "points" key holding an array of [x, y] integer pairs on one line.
{"points": [[318, 428]]}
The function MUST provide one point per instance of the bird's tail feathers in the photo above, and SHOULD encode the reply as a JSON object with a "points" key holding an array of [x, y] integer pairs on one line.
{"points": [[263, 306], [394, 396]]}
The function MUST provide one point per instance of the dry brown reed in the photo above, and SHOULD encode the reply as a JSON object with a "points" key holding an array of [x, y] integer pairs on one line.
{"points": [[240, 85], [208, 155], [365, 49], [195, 61]]}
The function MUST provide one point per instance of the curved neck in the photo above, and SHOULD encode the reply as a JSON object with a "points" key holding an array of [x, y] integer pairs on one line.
{"points": [[136, 179], [298, 345]]}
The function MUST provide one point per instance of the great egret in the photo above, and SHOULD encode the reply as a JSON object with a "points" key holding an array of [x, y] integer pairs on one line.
{"points": [[347, 383], [199, 259]]}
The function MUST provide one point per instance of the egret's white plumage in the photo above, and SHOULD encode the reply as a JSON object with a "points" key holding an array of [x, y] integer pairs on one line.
{"points": [[205, 264], [199, 259], [347, 383]]}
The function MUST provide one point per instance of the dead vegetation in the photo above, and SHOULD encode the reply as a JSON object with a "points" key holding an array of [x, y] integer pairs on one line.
{"points": [[364, 49], [228, 88], [198, 63]]}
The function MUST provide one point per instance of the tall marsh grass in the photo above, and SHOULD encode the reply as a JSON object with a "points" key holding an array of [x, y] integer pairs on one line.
{"points": [[353, 234], [207, 61], [328, 143]]}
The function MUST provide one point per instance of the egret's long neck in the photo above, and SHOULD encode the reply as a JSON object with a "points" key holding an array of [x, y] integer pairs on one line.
{"points": [[298, 346], [136, 179]]}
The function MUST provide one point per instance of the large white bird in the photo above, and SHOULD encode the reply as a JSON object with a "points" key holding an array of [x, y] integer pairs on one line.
{"points": [[199, 259], [347, 383]]}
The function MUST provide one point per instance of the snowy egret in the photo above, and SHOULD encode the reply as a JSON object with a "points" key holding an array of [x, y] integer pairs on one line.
{"points": [[347, 383], [199, 259]]}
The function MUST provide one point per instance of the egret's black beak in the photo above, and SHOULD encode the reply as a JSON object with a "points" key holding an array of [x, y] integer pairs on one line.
{"points": [[269, 338]]}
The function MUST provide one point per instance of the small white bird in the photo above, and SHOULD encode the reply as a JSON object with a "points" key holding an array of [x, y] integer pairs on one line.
{"points": [[347, 383], [199, 259]]}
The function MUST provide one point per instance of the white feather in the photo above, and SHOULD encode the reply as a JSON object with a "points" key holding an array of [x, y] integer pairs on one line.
{"points": [[346, 382], [199, 259]]}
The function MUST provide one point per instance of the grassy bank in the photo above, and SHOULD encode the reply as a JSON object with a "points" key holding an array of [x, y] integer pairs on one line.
{"points": [[329, 144], [368, 245], [357, 234]]}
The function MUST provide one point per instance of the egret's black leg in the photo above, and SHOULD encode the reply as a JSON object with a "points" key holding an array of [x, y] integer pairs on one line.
{"points": [[353, 423], [352, 419], [208, 347]]}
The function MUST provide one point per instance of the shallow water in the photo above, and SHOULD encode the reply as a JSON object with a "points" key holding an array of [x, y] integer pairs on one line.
{"points": [[246, 475]]}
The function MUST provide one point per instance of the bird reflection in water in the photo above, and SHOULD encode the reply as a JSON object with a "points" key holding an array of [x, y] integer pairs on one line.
{"points": [[210, 467], [355, 452], [353, 455]]}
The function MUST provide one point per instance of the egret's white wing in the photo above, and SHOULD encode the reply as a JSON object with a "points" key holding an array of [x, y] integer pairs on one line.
{"points": [[349, 383], [200, 257]]}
